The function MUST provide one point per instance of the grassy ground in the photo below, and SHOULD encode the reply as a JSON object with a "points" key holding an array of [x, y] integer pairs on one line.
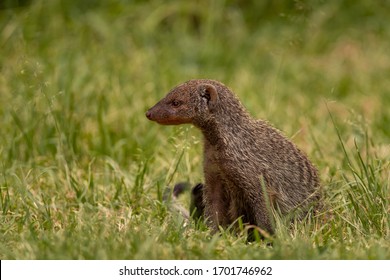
{"points": [[82, 171]]}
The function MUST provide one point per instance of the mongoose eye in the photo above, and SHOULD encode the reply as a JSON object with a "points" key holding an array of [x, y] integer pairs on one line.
{"points": [[175, 103]]}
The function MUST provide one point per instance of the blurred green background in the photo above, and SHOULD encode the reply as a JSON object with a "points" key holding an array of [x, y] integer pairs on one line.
{"points": [[82, 169]]}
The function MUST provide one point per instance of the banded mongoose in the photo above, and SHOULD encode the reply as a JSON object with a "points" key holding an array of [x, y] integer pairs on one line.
{"points": [[248, 164], [197, 202], [170, 198], [196, 208]]}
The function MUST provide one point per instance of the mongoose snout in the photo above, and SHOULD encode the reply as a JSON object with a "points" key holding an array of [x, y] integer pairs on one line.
{"points": [[249, 166], [148, 114]]}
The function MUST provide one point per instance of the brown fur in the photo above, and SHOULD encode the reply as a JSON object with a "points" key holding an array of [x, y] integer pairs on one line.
{"points": [[242, 156]]}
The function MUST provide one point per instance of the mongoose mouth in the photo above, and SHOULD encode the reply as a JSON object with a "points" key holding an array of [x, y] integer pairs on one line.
{"points": [[166, 120], [170, 121]]}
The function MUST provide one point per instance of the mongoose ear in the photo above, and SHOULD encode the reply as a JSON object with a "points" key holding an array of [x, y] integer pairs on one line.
{"points": [[209, 92]]}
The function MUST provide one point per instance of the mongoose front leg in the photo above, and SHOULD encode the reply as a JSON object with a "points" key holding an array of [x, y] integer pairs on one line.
{"points": [[216, 203]]}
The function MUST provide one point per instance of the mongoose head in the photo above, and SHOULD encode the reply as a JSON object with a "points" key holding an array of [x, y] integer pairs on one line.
{"points": [[191, 102]]}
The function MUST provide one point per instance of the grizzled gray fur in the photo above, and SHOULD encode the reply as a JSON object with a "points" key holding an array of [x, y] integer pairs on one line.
{"points": [[248, 164]]}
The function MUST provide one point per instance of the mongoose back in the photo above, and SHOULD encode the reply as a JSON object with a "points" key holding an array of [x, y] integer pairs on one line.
{"points": [[248, 164]]}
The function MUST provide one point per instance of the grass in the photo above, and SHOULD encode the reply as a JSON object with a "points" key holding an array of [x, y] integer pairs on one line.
{"points": [[82, 171]]}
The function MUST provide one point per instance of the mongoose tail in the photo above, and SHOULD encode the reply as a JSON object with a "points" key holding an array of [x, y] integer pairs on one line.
{"points": [[243, 157]]}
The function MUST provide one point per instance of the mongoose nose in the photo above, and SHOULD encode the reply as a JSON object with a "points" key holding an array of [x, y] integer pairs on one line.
{"points": [[148, 114]]}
